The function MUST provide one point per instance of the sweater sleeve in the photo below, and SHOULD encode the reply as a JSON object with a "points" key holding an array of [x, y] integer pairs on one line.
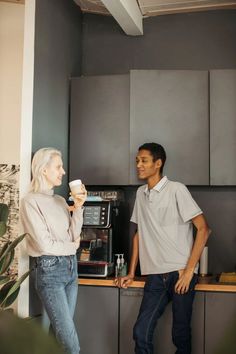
{"points": [[76, 223], [39, 237]]}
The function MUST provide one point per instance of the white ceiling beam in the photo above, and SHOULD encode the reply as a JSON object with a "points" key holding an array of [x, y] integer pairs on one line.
{"points": [[164, 7], [127, 14]]}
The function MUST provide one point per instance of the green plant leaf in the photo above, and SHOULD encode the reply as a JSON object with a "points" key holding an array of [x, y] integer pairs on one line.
{"points": [[4, 212], [19, 336], [4, 279], [13, 245], [10, 288], [6, 261], [9, 291], [17, 284], [3, 294], [4, 247], [3, 228]]}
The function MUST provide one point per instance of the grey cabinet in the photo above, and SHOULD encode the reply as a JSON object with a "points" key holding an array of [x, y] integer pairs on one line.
{"points": [[96, 319], [99, 130], [171, 107], [112, 115], [220, 317], [223, 127], [130, 301]]}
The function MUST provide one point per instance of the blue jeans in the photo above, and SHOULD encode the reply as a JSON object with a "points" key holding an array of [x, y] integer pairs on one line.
{"points": [[158, 292], [56, 285]]}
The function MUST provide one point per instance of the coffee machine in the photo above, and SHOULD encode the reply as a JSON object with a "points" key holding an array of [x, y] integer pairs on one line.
{"points": [[101, 233]]}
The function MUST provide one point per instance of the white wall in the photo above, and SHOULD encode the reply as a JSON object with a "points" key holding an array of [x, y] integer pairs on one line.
{"points": [[17, 24], [11, 69], [11, 61], [26, 138]]}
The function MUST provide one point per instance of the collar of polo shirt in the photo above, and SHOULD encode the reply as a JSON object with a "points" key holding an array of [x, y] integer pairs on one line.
{"points": [[158, 187]]}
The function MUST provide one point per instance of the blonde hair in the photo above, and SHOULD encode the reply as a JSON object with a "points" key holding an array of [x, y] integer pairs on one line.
{"points": [[42, 158]]}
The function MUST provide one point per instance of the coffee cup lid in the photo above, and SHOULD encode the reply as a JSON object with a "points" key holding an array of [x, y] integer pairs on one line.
{"points": [[75, 182]]}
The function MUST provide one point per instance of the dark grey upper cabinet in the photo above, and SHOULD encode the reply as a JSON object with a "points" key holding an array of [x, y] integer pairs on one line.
{"points": [[99, 130], [171, 107], [223, 127]]}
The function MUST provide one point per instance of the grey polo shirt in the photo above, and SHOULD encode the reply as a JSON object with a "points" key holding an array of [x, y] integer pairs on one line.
{"points": [[163, 215]]}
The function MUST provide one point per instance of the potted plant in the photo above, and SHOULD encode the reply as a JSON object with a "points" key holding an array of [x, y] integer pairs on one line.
{"points": [[28, 336], [9, 284]]}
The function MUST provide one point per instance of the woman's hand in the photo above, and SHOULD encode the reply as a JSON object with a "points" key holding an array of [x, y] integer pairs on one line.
{"points": [[80, 198], [77, 243]]}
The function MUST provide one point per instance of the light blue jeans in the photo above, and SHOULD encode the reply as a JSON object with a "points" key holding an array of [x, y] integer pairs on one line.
{"points": [[56, 284]]}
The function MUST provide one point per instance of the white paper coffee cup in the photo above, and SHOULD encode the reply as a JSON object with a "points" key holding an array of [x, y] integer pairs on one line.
{"points": [[76, 186]]}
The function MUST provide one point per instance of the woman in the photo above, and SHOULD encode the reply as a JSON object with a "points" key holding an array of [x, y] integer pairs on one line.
{"points": [[54, 237]]}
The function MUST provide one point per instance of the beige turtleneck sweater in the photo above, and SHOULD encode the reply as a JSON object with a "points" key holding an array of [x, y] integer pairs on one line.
{"points": [[46, 218]]}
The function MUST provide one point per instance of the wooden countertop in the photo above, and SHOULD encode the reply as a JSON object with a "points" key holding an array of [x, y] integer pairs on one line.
{"points": [[139, 283]]}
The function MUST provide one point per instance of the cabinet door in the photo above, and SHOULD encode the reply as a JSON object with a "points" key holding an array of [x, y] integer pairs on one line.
{"points": [[99, 130], [96, 319], [220, 323], [171, 108], [223, 127], [130, 301]]}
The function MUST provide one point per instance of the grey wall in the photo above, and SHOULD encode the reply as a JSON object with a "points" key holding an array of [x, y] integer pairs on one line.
{"points": [[198, 41], [58, 50]]}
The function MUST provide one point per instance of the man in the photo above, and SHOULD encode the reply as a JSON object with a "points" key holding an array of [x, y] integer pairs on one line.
{"points": [[165, 213]]}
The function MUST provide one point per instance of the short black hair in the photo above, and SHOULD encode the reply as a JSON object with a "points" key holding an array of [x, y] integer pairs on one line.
{"points": [[157, 151]]}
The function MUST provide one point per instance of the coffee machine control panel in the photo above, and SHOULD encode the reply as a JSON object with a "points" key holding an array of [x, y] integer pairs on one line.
{"points": [[96, 214]]}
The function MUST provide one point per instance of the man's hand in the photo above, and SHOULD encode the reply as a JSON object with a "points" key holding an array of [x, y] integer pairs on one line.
{"points": [[185, 277], [124, 282]]}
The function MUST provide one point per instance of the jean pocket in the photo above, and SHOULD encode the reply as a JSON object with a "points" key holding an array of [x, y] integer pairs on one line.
{"points": [[48, 262]]}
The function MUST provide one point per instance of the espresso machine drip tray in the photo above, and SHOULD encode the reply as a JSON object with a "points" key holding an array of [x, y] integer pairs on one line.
{"points": [[95, 269]]}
